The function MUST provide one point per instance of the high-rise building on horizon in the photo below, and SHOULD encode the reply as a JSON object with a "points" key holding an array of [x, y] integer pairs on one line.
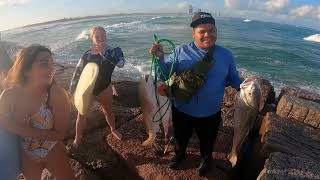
{"points": [[190, 9]]}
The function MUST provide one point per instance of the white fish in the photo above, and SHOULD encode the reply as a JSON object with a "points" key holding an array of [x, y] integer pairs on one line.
{"points": [[246, 110], [155, 109]]}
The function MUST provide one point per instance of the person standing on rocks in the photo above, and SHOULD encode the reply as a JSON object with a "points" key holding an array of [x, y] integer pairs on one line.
{"points": [[103, 91], [202, 111]]}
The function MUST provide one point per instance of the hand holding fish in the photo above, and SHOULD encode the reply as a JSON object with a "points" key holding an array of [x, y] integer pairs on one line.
{"points": [[162, 88]]}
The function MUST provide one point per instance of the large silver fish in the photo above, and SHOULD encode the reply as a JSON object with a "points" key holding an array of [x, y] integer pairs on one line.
{"points": [[246, 110], [156, 109]]}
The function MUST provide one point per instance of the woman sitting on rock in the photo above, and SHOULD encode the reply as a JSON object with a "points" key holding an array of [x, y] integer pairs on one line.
{"points": [[37, 110]]}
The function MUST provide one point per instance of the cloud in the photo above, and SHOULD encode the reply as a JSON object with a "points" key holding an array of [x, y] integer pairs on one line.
{"points": [[306, 11], [302, 10], [168, 6], [269, 5], [236, 4], [318, 12], [13, 2], [183, 5], [229, 3], [276, 5]]}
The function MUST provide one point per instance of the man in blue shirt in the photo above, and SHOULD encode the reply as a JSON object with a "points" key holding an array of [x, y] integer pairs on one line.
{"points": [[202, 111]]}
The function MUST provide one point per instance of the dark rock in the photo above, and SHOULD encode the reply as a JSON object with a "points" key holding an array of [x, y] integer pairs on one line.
{"points": [[301, 93], [284, 166], [300, 109], [289, 136]]}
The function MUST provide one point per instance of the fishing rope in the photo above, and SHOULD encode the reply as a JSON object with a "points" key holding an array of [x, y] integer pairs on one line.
{"points": [[158, 72], [155, 63]]}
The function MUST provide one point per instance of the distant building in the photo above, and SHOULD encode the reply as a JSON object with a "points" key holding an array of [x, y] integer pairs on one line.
{"points": [[190, 9]]}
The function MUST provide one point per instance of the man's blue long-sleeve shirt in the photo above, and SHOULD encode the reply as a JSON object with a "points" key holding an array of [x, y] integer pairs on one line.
{"points": [[207, 101]]}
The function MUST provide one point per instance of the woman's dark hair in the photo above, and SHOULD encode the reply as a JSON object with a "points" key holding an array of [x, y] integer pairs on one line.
{"points": [[22, 64]]}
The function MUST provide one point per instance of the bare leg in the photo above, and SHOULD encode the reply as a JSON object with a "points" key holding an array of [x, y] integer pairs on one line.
{"points": [[80, 126], [105, 99], [31, 169], [58, 164]]}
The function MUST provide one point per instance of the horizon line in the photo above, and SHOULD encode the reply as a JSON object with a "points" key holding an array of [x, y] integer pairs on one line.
{"points": [[74, 18]]}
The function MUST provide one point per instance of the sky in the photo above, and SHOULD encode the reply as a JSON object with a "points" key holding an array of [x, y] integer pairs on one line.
{"points": [[15, 13]]}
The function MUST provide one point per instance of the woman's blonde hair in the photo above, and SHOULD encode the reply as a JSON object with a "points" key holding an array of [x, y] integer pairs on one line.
{"points": [[94, 29]]}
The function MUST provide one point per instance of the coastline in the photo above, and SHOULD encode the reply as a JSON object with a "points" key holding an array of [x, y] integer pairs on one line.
{"points": [[103, 157]]}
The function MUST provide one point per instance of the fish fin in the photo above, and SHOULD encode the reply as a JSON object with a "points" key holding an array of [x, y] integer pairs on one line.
{"points": [[233, 159], [149, 141]]}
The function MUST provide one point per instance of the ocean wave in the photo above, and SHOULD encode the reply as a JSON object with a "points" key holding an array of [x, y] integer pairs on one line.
{"points": [[157, 17], [130, 71], [143, 69], [313, 38], [278, 84], [134, 26], [246, 73], [164, 17], [123, 24], [83, 35]]}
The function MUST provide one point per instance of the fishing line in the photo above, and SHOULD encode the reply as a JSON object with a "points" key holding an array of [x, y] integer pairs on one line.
{"points": [[158, 72]]}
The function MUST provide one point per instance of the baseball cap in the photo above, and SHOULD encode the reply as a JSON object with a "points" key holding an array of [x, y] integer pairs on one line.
{"points": [[202, 18]]}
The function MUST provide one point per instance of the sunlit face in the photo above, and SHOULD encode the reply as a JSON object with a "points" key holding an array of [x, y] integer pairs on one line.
{"points": [[99, 37], [42, 70], [204, 35]]}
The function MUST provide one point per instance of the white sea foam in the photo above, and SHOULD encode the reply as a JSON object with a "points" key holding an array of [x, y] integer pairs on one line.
{"points": [[122, 24], [277, 83], [247, 20], [130, 71], [144, 69], [83, 35], [134, 26], [314, 38], [157, 17]]}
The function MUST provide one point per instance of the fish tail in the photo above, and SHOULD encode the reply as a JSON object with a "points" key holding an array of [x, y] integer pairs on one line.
{"points": [[150, 140], [233, 158]]}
